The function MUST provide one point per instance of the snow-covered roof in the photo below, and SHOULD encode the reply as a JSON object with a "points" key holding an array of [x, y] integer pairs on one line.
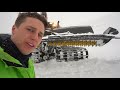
{"points": [[75, 29]]}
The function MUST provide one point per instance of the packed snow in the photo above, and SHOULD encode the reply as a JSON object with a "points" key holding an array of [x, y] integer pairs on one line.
{"points": [[88, 68], [103, 62], [91, 68]]}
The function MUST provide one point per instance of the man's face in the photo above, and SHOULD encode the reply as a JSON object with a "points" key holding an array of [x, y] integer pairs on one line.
{"points": [[28, 35]]}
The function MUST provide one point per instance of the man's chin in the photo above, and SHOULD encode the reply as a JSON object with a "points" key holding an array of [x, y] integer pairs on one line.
{"points": [[26, 53]]}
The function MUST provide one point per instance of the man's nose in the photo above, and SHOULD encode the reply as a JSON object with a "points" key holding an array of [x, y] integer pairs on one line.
{"points": [[35, 36]]}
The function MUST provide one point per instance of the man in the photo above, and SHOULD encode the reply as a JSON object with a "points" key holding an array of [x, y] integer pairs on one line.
{"points": [[27, 33]]}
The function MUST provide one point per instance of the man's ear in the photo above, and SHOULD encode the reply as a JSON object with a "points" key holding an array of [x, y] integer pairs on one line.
{"points": [[13, 29]]}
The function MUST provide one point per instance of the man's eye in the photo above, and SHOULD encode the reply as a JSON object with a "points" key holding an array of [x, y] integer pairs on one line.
{"points": [[31, 30]]}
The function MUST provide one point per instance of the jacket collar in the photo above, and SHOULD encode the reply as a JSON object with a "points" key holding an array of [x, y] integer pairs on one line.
{"points": [[7, 57]]}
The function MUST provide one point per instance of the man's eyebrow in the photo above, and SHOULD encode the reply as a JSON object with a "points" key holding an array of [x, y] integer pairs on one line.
{"points": [[32, 27]]}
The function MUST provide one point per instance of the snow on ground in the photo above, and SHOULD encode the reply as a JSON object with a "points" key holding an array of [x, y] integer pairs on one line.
{"points": [[88, 68], [103, 62]]}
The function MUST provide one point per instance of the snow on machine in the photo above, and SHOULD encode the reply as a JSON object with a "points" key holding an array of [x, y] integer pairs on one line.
{"points": [[68, 43]]}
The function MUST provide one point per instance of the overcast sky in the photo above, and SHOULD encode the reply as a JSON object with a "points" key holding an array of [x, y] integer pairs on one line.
{"points": [[66, 18], [75, 18]]}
